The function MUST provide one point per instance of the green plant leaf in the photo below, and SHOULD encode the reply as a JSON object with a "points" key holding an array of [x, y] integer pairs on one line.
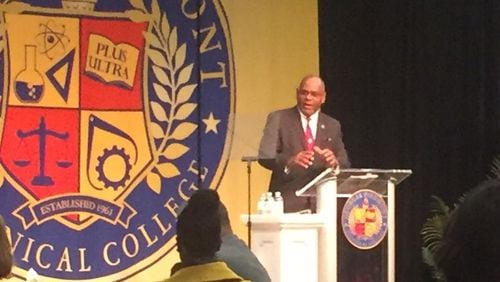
{"points": [[495, 168], [438, 206], [432, 234]]}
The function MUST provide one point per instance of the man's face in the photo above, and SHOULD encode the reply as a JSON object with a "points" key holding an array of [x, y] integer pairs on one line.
{"points": [[310, 96]]}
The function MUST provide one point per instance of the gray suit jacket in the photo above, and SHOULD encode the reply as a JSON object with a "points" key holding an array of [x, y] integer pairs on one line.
{"points": [[283, 138]]}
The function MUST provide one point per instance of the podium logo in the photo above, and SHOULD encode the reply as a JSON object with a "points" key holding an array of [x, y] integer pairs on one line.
{"points": [[110, 120], [364, 219]]}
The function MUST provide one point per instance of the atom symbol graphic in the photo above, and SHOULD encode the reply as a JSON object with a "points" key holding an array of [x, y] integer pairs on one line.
{"points": [[52, 39]]}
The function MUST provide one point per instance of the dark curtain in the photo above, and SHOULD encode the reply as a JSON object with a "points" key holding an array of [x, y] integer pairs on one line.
{"points": [[415, 85]]}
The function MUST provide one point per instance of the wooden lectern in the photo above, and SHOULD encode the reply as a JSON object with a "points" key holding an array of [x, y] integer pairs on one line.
{"points": [[290, 245]]}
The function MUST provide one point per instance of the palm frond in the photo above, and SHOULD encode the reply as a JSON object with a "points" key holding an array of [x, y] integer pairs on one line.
{"points": [[434, 227], [429, 259], [438, 207], [495, 168], [432, 234]]}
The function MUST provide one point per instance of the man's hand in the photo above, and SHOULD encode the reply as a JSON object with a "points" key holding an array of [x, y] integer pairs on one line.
{"points": [[303, 159], [327, 156]]}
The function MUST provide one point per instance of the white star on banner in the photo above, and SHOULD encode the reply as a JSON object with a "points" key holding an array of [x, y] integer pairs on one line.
{"points": [[211, 123]]}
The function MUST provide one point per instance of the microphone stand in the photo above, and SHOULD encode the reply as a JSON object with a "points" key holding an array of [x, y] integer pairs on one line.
{"points": [[249, 160]]}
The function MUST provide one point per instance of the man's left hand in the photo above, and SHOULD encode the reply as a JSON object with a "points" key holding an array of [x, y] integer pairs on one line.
{"points": [[327, 155]]}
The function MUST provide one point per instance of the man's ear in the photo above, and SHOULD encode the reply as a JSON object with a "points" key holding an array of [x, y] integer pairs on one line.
{"points": [[324, 99]]}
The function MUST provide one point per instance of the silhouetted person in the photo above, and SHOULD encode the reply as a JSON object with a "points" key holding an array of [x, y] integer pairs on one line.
{"points": [[471, 242], [198, 239]]}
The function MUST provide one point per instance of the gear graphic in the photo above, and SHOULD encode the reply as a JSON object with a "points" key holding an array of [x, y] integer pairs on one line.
{"points": [[107, 153]]}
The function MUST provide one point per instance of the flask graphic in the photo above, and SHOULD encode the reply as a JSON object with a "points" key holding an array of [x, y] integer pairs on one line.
{"points": [[29, 82]]}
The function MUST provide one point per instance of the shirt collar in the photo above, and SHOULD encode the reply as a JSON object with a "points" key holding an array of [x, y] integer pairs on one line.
{"points": [[313, 118]]}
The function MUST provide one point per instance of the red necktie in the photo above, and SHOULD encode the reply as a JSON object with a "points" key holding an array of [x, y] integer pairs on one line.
{"points": [[308, 137]]}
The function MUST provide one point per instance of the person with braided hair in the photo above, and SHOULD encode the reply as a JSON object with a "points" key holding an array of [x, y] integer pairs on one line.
{"points": [[198, 240]]}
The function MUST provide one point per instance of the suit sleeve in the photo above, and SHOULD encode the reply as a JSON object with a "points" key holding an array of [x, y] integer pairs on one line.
{"points": [[272, 152], [340, 151], [269, 142]]}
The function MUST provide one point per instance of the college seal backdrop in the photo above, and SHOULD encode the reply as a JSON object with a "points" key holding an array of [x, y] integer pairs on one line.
{"points": [[113, 113]]}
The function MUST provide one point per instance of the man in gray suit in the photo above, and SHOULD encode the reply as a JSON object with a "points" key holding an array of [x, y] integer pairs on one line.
{"points": [[300, 142]]}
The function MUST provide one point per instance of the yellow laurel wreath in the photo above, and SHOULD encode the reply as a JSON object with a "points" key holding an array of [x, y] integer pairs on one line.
{"points": [[172, 75]]}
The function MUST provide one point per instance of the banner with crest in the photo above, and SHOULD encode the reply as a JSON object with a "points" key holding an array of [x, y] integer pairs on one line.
{"points": [[112, 114]]}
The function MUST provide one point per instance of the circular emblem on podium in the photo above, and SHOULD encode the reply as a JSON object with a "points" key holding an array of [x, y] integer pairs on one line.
{"points": [[364, 219]]}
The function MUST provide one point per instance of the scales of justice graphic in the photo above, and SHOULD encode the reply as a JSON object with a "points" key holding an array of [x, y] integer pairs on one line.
{"points": [[42, 132]]}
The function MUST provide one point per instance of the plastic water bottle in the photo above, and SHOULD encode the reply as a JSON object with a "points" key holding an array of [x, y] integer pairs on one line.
{"points": [[269, 206], [278, 203], [261, 204]]}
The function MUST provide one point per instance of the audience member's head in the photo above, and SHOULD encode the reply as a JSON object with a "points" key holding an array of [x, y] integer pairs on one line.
{"points": [[198, 228], [225, 224], [5, 252], [471, 250]]}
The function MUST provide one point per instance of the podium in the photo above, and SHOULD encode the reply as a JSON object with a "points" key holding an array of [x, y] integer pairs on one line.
{"points": [[287, 245], [282, 242]]}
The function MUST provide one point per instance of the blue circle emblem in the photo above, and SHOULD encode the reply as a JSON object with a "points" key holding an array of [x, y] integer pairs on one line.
{"points": [[364, 219]]}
